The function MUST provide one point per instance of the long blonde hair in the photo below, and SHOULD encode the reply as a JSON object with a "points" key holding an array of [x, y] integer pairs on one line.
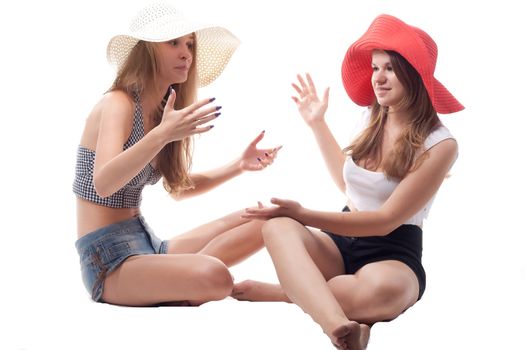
{"points": [[139, 73], [404, 157]]}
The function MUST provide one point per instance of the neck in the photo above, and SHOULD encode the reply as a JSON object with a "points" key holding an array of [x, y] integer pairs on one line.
{"points": [[151, 98], [397, 118]]}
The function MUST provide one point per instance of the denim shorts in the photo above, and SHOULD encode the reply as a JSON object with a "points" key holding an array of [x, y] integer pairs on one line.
{"points": [[103, 250], [404, 244]]}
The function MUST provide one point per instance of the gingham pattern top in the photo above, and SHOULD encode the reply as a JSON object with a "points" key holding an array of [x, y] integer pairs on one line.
{"points": [[128, 196]]}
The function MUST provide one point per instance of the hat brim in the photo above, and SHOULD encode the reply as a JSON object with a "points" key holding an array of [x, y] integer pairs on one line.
{"points": [[357, 72], [215, 47]]}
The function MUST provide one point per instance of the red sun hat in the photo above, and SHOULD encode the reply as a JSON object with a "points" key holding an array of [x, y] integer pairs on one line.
{"points": [[417, 47]]}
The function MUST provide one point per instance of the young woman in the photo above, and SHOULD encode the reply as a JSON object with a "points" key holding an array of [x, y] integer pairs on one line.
{"points": [[350, 269], [139, 132]]}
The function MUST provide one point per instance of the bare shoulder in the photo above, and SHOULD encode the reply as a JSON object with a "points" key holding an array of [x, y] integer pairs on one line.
{"points": [[116, 102], [115, 110]]}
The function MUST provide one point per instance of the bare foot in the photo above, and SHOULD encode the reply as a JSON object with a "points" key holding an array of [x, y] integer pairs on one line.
{"points": [[365, 335], [175, 303], [351, 336], [258, 291]]}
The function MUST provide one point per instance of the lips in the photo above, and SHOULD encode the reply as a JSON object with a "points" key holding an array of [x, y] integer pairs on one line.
{"points": [[381, 91]]}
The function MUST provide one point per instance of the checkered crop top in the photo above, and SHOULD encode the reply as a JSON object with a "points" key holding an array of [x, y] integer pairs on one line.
{"points": [[128, 196]]}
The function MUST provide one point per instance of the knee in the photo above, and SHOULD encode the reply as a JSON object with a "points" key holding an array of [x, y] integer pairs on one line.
{"points": [[275, 228], [384, 300], [216, 278], [390, 299]]}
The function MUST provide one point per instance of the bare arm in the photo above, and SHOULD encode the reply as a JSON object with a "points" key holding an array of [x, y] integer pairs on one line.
{"points": [[252, 159], [114, 168], [313, 110], [413, 192]]}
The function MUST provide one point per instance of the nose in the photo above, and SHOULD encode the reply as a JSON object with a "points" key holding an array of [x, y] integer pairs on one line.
{"points": [[379, 77], [185, 53]]}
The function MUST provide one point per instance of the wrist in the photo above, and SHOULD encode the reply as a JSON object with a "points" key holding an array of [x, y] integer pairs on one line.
{"points": [[317, 124], [158, 134], [237, 167]]}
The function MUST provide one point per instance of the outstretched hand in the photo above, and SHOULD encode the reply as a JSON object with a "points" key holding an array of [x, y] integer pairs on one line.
{"points": [[311, 108], [254, 159], [283, 207], [179, 124]]}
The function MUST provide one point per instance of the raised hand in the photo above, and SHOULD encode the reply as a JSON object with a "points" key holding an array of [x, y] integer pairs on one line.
{"points": [[310, 107], [179, 124], [253, 159]]}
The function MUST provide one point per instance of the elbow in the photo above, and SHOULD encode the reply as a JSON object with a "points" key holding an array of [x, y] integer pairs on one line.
{"points": [[101, 189], [387, 223], [178, 196]]}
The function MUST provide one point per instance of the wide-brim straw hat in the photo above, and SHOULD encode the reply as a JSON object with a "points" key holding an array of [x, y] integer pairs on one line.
{"points": [[417, 47], [162, 22]]}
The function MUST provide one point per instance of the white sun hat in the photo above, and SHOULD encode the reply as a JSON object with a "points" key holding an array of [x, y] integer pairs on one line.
{"points": [[162, 22]]}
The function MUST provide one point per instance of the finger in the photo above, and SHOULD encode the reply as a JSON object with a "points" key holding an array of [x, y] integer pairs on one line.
{"points": [[276, 201], [303, 84], [326, 95], [298, 89], [259, 205], [264, 161], [170, 102], [311, 84], [196, 115], [194, 106], [257, 211], [257, 139], [204, 120], [253, 217], [202, 130], [273, 152]]}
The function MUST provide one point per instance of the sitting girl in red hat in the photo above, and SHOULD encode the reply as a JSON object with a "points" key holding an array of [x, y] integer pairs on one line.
{"points": [[350, 269]]}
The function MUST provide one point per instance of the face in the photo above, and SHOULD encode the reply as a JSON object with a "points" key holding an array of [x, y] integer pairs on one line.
{"points": [[175, 57], [387, 87]]}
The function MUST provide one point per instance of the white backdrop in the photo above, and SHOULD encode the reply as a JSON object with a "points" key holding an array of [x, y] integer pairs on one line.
{"points": [[53, 70]]}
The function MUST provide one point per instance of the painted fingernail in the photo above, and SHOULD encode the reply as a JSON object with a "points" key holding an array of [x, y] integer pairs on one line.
{"points": [[217, 114], [212, 99], [266, 154], [263, 131], [211, 126], [259, 159], [218, 107]]}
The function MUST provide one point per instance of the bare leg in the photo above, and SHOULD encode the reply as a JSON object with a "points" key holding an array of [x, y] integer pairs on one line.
{"points": [[259, 291], [236, 244], [379, 291], [304, 283], [230, 239], [146, 280]]}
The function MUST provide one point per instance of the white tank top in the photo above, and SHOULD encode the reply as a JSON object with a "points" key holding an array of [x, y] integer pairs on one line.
{"points": [[369, 190]]}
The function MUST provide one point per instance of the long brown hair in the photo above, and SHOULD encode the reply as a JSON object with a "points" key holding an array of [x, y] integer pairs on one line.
{"points": [[139, 73], [403, 158]]}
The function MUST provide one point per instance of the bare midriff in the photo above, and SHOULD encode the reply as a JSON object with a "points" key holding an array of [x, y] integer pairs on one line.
{"points": [[91, 216]]}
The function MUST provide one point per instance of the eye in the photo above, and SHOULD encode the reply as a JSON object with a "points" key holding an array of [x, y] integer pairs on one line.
{"points": [[173, 42], [190, 45], [390, 68], [375, 68]]}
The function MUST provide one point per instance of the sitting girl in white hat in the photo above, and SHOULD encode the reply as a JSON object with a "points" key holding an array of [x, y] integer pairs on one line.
{"points": [[139, 132]]}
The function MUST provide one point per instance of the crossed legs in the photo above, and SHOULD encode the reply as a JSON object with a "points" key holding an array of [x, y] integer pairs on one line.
{"points": [[195, 268], [311, 274]]}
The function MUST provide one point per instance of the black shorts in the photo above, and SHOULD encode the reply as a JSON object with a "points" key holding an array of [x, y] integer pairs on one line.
{"points": [[404, 244]]}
